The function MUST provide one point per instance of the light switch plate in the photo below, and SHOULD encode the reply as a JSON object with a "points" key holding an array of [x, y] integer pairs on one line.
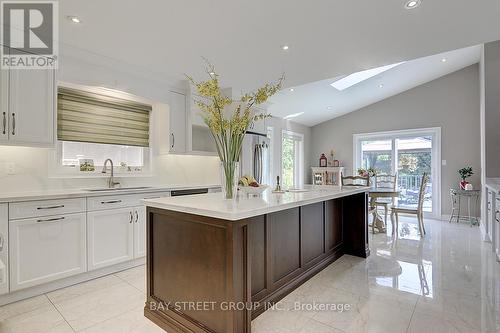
{"points": [[443, 162]]}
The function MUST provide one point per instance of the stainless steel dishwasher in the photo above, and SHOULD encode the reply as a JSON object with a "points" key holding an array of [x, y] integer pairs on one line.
{"points": [[178, 193]]}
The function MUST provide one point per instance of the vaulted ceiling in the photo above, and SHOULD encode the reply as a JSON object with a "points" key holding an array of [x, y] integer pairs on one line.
{"points": [[244, 39]]}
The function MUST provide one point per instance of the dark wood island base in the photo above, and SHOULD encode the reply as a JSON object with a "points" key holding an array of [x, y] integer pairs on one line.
{"points": [[212, 275]]}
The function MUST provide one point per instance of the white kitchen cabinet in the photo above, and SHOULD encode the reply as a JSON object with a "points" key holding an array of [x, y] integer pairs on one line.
{"points": [[4, 249], [259, 126], [490, 216], [28, 107], [177, 122], [110, 237], [44, 249], [31, 107], [496, 228], [4, 106], [140, 232]]}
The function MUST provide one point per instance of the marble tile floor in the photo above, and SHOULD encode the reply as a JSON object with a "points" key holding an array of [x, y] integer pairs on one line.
{"points": [[448, 281]]}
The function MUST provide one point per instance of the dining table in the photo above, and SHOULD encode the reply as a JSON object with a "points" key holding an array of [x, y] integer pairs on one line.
{"points": [[374, 194]]}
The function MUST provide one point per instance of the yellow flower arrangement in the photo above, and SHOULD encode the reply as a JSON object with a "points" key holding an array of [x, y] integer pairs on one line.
{"points": [[229, 128]]}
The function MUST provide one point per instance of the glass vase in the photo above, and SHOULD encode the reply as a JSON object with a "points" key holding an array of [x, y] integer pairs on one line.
{"points": [[229, 172]]}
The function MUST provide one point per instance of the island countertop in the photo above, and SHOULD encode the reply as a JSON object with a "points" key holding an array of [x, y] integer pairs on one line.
{"points": [[213, 205]]}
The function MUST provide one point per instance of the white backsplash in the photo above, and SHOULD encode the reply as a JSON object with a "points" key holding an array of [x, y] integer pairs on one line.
{"points": [[31, 172]]}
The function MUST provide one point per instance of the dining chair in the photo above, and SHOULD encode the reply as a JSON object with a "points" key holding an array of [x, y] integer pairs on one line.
{"points": [[419, 211], [355, 180], [388, 182], [359, 181]]}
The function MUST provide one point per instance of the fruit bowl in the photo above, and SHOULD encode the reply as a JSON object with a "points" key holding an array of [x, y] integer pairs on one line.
{"points": [[250, 190]]}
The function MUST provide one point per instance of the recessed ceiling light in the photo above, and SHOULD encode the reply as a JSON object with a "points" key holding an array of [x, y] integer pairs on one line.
{"points": [[381, 85], [292, 90], [444, 60], [285, 47], [329, 107], [293, 115], [74, 19], [412, 4]]}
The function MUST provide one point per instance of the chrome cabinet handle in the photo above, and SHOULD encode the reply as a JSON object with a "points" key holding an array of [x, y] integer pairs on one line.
{"points": [[4, 122], [52, 220], [1, 242], [173, 140], [51, 207], [110, 202], [13, 124], [497, 216], [131, 217], [136, 217]]}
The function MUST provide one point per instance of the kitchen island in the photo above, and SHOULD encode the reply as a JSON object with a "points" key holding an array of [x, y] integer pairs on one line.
{"points": [[213, 264]]}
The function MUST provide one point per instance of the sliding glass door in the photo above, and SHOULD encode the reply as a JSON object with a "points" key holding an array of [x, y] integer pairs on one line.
{"points": [[409, 153]]}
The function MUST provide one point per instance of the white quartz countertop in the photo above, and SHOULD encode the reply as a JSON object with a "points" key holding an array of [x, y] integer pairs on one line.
{"points": [[213, 204], [10, 196], [493, 184]]}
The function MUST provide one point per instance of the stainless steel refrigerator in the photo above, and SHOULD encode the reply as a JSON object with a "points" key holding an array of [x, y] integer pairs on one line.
{"points": [[255, 157]]}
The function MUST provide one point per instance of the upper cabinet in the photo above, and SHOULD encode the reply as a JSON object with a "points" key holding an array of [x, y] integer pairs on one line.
{"points": [[260, 126], [27, 117], [177, 122], [4, 106], [200, 139]]}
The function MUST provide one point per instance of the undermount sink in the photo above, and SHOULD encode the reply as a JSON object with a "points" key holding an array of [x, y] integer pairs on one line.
{"points": [[116, 189]]}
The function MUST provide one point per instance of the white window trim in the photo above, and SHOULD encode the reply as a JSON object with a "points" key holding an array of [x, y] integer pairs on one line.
{"points": [[299, 176], [57, 170], [435, 132], [271, 137]]}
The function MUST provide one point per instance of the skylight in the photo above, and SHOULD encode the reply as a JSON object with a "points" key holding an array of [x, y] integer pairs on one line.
{"points": [[355, 78], [293, 115]]}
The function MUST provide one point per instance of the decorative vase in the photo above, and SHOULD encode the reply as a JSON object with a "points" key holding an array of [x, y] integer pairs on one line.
{"points": [[463, 183], [229, 172]]}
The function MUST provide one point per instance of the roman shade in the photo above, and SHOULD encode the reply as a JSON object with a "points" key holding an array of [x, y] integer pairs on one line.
{"points": [[101, 118]]}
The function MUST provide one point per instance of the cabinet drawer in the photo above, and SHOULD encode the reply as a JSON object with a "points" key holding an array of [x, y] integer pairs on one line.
{"points": [[46, 249], [27, 209], [121, 201]]}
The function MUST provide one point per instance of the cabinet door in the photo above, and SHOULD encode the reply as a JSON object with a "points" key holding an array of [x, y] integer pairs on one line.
{"points": [[496, 228], [140, 232], [4, 105], [32, 107], [177, 122], [4, 250], [45, 249], [110, 237]]}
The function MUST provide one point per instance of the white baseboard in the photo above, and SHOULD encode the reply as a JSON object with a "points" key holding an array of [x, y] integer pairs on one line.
{"points": [[69, 281]]}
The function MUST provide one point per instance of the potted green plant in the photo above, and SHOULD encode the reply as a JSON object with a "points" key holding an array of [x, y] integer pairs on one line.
{"points": [[464, 174], [228, 121]]}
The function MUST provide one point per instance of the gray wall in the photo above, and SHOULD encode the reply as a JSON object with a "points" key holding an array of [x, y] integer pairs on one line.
{"points": [[451, 102], [492, 108]]}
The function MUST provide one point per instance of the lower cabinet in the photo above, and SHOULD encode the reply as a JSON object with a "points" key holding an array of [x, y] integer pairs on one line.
{"points": [[4, 249], [140, 232], [45, 249], [110, 237], [115, 236], [496, 221]]}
